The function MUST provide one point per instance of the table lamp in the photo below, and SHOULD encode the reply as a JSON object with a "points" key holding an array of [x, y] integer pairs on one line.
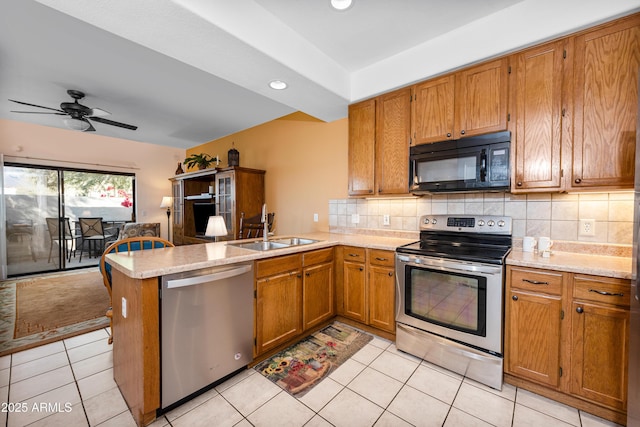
{"points": [[216, 227], [166, 203]]}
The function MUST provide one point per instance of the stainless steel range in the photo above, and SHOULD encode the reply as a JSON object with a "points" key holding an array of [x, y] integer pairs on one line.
{"points": [[449, 292]]}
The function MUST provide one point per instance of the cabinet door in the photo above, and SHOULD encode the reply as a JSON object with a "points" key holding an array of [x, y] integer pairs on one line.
{"points": [[362, 135], [278, 302], [606, 105], [355, 292], [433, 110], [393, 121], [382, 297], [600, 342], [533, 338], [317, 291], [481, 99], [178, 213], [537, 143], [225, 196]]}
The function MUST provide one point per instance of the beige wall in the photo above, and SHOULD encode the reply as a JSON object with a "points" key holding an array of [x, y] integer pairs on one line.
{"points": [[152, 164], [306, 164]]}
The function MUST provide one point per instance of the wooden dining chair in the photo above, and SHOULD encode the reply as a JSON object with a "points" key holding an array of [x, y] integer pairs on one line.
{"points": [[139, 243], [252, 227]]}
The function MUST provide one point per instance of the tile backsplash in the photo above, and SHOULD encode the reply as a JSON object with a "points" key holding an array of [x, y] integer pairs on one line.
{"points": [[540, 214]]}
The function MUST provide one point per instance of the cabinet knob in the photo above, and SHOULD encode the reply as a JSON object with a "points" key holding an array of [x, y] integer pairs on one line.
{"points": [[299, 275], [519, 183], [449, 135], [515, 297], [391, 274], [462, 132], [361, 268], [578, 181], [307, 274], [579, 310]]}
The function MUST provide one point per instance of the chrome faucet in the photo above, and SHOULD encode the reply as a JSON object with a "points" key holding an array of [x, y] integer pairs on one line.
{"points": [[265, 223]]}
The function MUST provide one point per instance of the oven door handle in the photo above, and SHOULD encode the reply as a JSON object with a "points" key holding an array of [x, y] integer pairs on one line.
{"points": [[452, 266]]}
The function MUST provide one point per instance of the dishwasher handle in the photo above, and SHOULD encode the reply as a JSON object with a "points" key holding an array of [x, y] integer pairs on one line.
{"points": [[207, 278]]}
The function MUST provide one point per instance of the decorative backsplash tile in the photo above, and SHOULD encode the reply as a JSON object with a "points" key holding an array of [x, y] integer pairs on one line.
{"points": [[540, 214]]}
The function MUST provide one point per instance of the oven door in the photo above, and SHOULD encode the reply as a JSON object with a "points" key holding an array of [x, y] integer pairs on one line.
{"points": [[457, 300]]}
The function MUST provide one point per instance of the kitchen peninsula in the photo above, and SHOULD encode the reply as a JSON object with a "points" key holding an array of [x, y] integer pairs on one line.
{"points": [[136, 280]]}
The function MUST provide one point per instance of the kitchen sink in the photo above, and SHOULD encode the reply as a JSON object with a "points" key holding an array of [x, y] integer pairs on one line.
{"points": [[295, 241], [274, 244], [260, 245]]}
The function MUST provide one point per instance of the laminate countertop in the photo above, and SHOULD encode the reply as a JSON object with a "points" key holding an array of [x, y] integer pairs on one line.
{"points": [[158, 262], [598, 265]]}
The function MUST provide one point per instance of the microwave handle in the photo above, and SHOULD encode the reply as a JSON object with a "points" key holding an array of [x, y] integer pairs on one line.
{"points": [[483, 166]]}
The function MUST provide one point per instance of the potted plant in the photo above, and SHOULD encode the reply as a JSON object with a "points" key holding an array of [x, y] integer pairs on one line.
{"points": [[201, 160]]}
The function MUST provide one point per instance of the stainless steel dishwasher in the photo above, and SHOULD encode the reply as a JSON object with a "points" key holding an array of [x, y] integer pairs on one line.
{"points": [[206, 328]]}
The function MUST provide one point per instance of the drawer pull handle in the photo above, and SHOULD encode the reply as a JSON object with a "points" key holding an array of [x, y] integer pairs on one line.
{"points": [[606, 293], [535, 282], [381, 259], [354, 255]]}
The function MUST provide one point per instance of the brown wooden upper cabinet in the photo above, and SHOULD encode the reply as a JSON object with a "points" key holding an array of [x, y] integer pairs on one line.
{"points": [[379, 134], [575, 105], [536, 97], [466, 103], [605, 95]]}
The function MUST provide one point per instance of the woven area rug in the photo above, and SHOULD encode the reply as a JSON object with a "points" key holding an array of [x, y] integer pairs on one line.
{"points": [[303, 365], [43, 309]]}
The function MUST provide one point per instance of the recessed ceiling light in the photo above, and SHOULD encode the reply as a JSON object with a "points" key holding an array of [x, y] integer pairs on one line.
{"points": [[277, 85], [341, 4]]}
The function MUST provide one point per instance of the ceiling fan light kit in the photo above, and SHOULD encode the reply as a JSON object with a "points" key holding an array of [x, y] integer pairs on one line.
{"points": [[79, 115], [77, 124]]}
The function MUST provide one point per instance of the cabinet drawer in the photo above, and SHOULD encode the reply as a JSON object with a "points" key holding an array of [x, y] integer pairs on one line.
{"points": [[602, 289], [269, 267], [353, 254], [317, 257], [548, 282], [381, 257]]}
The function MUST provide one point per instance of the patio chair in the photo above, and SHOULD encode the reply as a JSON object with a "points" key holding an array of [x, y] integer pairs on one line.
{"points": [[93, 232], [139, 243], [65, 235]]}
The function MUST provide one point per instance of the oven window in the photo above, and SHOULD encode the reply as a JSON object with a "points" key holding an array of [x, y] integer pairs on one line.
{"points": [[453, 300]]}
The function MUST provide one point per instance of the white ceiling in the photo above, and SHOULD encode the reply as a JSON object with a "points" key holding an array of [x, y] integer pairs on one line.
{"points": [[190, 71]]}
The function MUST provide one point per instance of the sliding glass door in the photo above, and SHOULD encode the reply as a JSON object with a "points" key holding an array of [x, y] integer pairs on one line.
{"points": [[45, 208]]}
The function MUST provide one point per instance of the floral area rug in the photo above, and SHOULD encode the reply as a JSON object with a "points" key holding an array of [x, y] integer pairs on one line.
{"points": [[303, 365]]}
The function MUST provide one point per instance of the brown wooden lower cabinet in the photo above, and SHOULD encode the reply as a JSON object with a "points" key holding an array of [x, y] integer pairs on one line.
{"points": [[293, 294], [566, 337], [366, 288]]}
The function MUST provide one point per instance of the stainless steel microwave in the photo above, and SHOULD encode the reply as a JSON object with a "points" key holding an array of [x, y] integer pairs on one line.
{"points": [[478, 163]]}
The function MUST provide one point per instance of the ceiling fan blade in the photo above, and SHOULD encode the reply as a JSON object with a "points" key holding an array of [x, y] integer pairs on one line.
{"points": [[34, 105], [98, 112], [39, 112], [112, 123]]}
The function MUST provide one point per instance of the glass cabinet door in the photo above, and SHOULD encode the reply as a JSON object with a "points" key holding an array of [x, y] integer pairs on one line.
{"points": [[224, 199]]}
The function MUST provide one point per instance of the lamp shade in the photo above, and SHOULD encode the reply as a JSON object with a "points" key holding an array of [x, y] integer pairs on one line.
{"points": [[166, 202], [216, 227]]}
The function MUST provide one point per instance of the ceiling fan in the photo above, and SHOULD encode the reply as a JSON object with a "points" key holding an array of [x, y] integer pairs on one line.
{"points": [[79, 115]]}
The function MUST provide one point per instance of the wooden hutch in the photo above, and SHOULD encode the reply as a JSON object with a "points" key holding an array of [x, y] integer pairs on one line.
{"points": [[219, 191]]}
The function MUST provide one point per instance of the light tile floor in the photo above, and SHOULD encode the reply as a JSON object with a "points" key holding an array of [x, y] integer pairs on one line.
{"points": [[70, 383]]}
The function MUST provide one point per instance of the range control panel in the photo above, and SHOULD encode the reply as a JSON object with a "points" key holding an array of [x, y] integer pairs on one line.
{"points": [[467, 223]]}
